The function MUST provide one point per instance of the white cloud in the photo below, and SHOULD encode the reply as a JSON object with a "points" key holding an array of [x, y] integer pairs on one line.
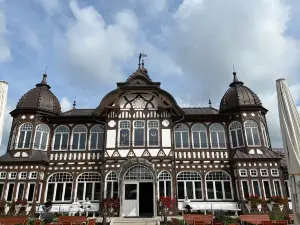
{"points": [[152, 6], [65, 104], [207, 37], [97, 49], [51, 7], [5, 53], [6, 129]]}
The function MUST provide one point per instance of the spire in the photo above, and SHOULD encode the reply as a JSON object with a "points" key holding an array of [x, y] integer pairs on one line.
{"points": [[236, 81], [209, 103], [74, 103], [43, 82]]}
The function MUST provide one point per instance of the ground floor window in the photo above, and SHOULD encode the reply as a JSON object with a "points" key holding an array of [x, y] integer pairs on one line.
{"points": [[245, 188], [189, 184], [30, 192], [218, 186], [89, 186], [277, 188], [267, 188], [21, 190], [60, 187], [256, 188], [1, 190], [112, 186], [164, 184], [10, 191]]}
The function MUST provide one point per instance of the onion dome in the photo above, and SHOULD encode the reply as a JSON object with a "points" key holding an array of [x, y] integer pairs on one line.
{"points": [[40, 98], [238, 96]]}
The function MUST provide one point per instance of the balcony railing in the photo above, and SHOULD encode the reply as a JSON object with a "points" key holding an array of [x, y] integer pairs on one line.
{"points": [[202, 155], [55, 147]]}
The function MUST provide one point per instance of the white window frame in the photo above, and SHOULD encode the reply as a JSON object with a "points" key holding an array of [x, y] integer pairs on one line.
{"points": [[26, 129], [93, 182], [42, 132], [242, 187], [251, 175], [181, 140], [202, 129], [277, 172], [158, 133], [3, 175], [119, 133], [13, 177], [164, 180], [98, 133], [259, 186], [214, 187], [33, 172], [55, 188], [110, 180], [22, 173], [61, 138], [79, 137], [27, 191], [13, 193], [235, 130], [193, 182], [40, 192], [133, 132], [264, 134], [280, 186], [17, 193], [262, 171], [243, 170], [217, 131], [251, 130], [263, 186]]}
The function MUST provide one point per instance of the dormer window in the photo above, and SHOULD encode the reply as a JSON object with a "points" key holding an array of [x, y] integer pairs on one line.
{"points": [[25, 133], [252, 134], [79, 137]]}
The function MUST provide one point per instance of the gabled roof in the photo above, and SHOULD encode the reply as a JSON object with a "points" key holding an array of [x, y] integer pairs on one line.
{"points": [[36, 156]]}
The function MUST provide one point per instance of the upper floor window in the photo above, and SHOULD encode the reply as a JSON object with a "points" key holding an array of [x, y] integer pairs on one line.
{"points": [[79, 137], [22, 175], [33, 175], [41, 137], [236, 135], [25, 133], [97, 137], [217, 136], [153, 133], [275, 172], [264, 172], [12, 175], [181, 136], [252, 135], [2, 175], [253, 173], [139, 133], [264, 135], [124, 133], [199, 134], [61, 138], [243, 172]]}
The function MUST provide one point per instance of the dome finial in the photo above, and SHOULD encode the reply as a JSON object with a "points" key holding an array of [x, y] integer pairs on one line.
{"points": [[209, 103], [44, 81], [74, 103], [235, 81]]}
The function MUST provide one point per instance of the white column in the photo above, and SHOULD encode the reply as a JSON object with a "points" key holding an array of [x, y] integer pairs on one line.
{"points": [[3, 100]]}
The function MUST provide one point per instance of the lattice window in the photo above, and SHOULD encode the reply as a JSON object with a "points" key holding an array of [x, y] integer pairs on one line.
{"points": [[12, 175], [41, 137], [181, 136], [236, 135], [189, 176], [217, 136], [91, 176], [253, 173], [112, 176], [252, 134], [164, 175], [199, 135], [33, 175], [61, 138], [217, 175], [23, 175], [79, 137], [165, 184], [264, 172], [89, 186], [138, 173], [2, 175], [275, 172], [189, 184], [97, 137], [24, 137], [218, 186], [61, 177], [112, 186], [59, 187], [243, 172]]}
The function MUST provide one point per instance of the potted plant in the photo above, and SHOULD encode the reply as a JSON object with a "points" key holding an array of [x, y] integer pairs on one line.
{"points": [[110, 207], [254, 201], [166, 203]]}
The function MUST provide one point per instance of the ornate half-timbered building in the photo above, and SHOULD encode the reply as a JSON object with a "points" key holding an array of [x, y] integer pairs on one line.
{"points": [[139, 144]]}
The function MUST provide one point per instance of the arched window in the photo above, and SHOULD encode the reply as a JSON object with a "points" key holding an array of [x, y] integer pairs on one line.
{"points": [[165, 184], [264, 134], [59, 187], [89, 186], [236, 134], [41, 137], [181, 136], [189, 184], [124, 133], [218, 186], [153, 133], [138, 173], [252, 135], [61, 138], [217, 136], [97, 137], [112, 186], [25, 133], [199, 133], [79, 137]]}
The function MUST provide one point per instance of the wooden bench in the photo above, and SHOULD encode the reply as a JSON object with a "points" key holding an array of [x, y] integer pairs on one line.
{"points": [[193, 219], [72, 219], [13, 220], [255, 218]]}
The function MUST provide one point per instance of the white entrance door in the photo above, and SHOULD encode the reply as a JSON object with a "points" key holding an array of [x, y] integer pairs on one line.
{"points": [[130, 199]]}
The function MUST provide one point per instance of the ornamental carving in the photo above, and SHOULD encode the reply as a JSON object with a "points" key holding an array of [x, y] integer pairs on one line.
{"points": [[139, 103]]}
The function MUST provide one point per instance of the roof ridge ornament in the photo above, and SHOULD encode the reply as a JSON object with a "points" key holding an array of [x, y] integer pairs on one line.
{"points": [[142, 56], [236, 81], [209, 103], [74, 103]]}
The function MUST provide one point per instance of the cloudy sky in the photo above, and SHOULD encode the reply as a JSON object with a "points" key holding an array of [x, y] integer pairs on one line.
{"points": [[191, 45]]}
